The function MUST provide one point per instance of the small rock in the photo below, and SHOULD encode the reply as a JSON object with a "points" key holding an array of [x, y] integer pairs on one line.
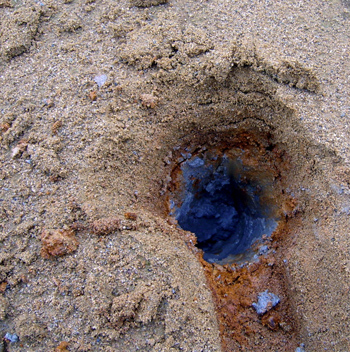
{"points": [[263, 250], [196, 162], [11, 337], [62, 347], [266, 301], [147, 3], [56, 126], [5, 3], [106, 226], [3, 286], [149, 100], [3, 307], [301, 348], [272, 321], [130, 216], [4, 126], [56, 243], [151, 342], [100, 80], [48, 103], [19, 148], [93, 96]]}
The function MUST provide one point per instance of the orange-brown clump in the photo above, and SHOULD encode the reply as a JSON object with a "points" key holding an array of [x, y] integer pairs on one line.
{"points": [[149, 100], [3, 286], [93, 96], [20, 148], [62, 347], [105, 226], [4, 127], [56, 243], [271, 320], [56, 126], [130, 216]]}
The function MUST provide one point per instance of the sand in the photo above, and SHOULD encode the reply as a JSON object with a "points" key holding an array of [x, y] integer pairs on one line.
{"points": [[97, 100]]}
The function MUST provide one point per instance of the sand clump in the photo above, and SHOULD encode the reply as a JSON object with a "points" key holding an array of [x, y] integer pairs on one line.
{"points": [[98, 100], [56, 243]]}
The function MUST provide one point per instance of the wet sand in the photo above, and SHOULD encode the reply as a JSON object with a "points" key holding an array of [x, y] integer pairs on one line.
{"points": [[97, 99]]}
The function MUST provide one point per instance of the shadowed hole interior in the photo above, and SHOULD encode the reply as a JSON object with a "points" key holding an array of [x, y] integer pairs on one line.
{"points": [[225, 201]]}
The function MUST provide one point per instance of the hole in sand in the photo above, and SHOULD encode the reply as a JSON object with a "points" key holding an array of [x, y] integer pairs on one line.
{"points": [[226, 196], [231, 187]]}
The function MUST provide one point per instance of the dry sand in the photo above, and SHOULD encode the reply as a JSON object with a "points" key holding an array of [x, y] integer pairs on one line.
{"points": [[88, 255]]}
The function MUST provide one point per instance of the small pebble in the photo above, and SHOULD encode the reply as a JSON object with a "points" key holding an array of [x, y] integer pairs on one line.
{"points": [[11, 337], [186, 155], [300, 349], [266, 301], [130, 216], [196, 162], [149, 100], [100, 80], [93, 96], [263, 249]]}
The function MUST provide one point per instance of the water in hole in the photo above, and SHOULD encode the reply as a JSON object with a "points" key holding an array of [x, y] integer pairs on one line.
{"points": [[223, 206]]}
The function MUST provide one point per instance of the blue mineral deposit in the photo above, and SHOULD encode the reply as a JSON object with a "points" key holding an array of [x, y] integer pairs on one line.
{"points": [[223, 211], [11, 337], [100, 80], [266, 301]]}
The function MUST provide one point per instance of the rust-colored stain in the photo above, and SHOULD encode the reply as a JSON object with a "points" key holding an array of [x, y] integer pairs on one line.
{"points": [[235, 287], [234, 290]]}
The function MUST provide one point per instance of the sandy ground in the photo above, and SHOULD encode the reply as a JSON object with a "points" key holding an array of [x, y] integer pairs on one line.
{"points": [[97, 99]]}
